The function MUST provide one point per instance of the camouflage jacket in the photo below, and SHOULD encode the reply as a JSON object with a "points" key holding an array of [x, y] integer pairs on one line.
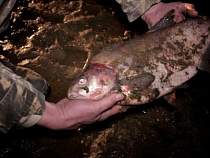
{"points": [[20, 103], [5, 11], [135, 8]]}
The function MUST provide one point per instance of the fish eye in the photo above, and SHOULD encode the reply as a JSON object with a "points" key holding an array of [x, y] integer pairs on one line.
{"points": [[82, 81]]}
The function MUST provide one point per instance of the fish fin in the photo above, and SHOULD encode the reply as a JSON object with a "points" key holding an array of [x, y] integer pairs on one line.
{"points": [[171, 97], [142, 81], [164, 22], [205, 65]]}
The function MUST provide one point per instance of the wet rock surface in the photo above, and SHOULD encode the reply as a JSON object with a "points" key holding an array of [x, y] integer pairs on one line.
{"points": [[56, 39]]}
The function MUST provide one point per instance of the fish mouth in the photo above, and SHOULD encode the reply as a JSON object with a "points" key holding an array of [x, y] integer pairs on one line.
{"points": [[94, 95], [99, 93], [73, 95]]}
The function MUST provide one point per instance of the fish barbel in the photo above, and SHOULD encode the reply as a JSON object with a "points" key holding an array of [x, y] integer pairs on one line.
{"points": [[149, 66]]}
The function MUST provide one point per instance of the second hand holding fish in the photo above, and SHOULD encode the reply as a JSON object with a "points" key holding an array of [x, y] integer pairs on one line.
{"points": [[159, 10]]}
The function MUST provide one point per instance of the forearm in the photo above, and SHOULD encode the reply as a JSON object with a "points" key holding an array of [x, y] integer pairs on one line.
{"points": [[58, 117], [20, 103], [50, 117], [135, 8], [72, 114]]}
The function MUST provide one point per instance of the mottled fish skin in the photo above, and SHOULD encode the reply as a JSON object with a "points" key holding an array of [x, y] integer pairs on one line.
{"points": [[166, 21], [153, 64]]}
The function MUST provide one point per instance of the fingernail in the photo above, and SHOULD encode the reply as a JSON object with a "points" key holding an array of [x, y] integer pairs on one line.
{"points": [[119, 97]]}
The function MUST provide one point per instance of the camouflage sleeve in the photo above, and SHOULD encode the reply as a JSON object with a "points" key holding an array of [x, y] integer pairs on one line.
{"points": [[135, 8], [20, 103], [5, 11]]}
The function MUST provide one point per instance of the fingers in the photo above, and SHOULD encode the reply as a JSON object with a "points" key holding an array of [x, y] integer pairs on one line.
{"points": [[178, 16], [159, 10], [114, 110], [183, 9], [190, 10], [109, 101]]}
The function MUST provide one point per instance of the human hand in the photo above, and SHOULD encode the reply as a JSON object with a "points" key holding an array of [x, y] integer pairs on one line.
{"points": [[72, 114], [159, 10]]}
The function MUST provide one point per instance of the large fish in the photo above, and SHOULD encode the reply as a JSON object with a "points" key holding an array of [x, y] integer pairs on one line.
{"points": [[149, 66]]}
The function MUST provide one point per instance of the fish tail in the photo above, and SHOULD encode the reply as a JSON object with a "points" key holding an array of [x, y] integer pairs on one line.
{"points": [[205, 65]]}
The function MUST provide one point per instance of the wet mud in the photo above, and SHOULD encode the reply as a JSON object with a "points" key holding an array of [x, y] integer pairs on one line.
{"points": [[57, 39]]}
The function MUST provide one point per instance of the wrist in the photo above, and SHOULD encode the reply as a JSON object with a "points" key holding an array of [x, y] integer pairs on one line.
{"points": [[152, 9], [150, 16], [49, 116]]}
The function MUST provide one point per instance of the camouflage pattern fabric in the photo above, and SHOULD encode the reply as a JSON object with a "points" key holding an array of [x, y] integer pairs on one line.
{"points": [[20, 103], [5, 11], [135, 8]]}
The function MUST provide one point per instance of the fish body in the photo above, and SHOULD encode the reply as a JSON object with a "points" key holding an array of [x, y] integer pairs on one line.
{"points": [[149, 66]]}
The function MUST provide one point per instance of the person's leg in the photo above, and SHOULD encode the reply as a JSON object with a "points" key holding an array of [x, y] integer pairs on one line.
{"points": [[34, 78], [31, 76]]}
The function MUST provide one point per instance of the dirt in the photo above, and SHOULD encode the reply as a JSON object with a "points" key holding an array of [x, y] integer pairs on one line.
{"points": [[56, 39]]}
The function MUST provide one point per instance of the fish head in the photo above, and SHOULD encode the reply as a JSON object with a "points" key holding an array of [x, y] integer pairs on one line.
{"points": [[96, 82]]}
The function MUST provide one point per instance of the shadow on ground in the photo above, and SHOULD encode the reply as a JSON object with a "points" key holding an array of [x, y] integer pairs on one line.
{"points": [[55, 38]]}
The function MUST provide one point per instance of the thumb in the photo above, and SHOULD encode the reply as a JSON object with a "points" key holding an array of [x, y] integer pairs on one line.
{"points": [[190, 10], [109, 101]]}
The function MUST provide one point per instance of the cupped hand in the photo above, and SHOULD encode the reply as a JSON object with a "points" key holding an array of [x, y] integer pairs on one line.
{"points": [[72, 114], [159, 10]]}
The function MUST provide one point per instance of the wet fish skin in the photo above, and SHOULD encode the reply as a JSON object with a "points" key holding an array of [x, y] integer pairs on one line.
{"points": [[149, 66]]}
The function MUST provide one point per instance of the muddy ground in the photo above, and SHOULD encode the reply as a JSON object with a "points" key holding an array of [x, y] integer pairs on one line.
{"points": [[55, 38]]}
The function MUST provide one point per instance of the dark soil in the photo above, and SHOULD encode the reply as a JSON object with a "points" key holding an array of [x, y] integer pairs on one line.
{"points": [[55, 38]]}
